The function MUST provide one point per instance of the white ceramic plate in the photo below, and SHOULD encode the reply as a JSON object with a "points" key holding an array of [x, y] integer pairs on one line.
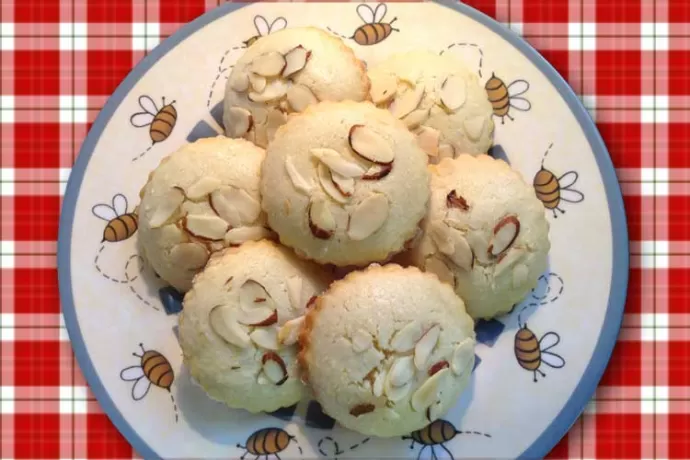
{"points": [[112, 304]]}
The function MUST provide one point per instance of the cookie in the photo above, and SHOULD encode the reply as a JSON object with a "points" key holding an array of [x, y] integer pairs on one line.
{"points": [[387, 350], [486, 233], [240, 324], [202, 198], [440, 99], [284, 73], [344, 183]]}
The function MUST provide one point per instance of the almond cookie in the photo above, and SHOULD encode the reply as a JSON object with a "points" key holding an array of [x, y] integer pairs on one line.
{"points": [[202, 198], [387, 350], [284, 73], [345, 183], [486, 233], [440, 99], [241, 321]]}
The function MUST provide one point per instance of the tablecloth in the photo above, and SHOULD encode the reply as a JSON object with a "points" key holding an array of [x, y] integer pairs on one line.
{"points": [[629, 61]]}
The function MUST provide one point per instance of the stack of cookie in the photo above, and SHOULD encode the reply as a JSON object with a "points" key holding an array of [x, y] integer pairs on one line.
{"points": [[285, 253]]}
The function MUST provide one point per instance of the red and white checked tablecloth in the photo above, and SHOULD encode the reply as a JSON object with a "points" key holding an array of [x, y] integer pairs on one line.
{"points": [[628, 59]]}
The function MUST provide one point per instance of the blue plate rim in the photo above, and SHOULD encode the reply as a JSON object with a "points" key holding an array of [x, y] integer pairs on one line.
{"points": [[617, 296]]}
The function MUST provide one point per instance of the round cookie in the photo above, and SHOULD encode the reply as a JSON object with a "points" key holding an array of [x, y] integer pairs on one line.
{"points": [[387, 350], [440, 99], [334, 205], [241, 321], [486, 233], [283, 73], [200, 199]]}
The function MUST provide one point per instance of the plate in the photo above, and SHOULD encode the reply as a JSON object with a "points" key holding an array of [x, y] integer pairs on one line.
{"points": [[118, 314]]}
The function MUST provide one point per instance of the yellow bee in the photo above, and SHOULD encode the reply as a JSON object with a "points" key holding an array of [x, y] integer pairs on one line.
{"points": [[121, 224], [435, 434], [503, 97], [161, 122], [551, 190], [374, 29], [268, 441], [531, 352], [153, 369], [263, 28]]}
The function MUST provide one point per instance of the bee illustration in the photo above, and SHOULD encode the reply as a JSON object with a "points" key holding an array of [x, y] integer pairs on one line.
{"points": [[374, 29], [121, 224], [551, 190], [503, 97], [161, 122], [268, 441], [263, 28], [435, 434], [532, 353], [153, 369]]}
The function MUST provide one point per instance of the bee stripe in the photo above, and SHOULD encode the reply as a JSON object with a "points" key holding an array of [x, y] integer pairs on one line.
{"points": [[448, 432], [109, 234], [436, 432], [425, 435], [149, 355], [497, 82], [255, 444], [496, 106], [550, 198], [375, 29], [161, 118], [283, 440], [525, 337], [528, 350], [380, 31], [169, 109], [166, 380], [530, 360], [155, 370]]}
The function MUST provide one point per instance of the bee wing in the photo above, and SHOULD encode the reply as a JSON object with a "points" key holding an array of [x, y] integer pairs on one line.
{"points": [[568, 179], [548, 341], [147, 104], [552, 359], [132, 373], [520, 103], [571, 196], [104, 211], [278, 23], [365, 13], [120, 204], [261, 25], [517, 88], [141, 388], [380, 12], [141, 119]]}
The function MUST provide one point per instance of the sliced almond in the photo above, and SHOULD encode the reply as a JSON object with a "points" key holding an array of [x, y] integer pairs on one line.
{"points": [[166, 206], [520, 275], [268, 65], [321, 221], [294, 291], [275, 120], [337, 163], [462, 254], [253, 295], [474, 127], [383, 88], [207, 227], [300, 97], [370, 145], [439, 235], [361, 341], [239, 81], [463, 357], [261, 379], [379, 381], [295, 60], [407, 337], [246, 205], [240, 235], [395, 394], [345, 185], [274, 368], [416, 118], [507, 260], [239, 122], [275, 89], [289, 333], [377, 172], [436, 367], [446, 151], [427, 394], [480, 245], [257, 82], [428, 139], [453, 200], [425, 346], [361, 409], [192, 256], [311, 302], [434, 411], [201, 208], [401, 371], [454, 92], [202, 187], [259, 114], [265, 337], [297, 179], [368, 217], [439, 268], [224, 208], [222, 322], [505, 233], [258, 317], [407, 102], [326, 181]]}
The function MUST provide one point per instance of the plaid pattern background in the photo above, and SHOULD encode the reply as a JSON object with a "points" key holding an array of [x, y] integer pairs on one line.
{"points": [[630, 62]]}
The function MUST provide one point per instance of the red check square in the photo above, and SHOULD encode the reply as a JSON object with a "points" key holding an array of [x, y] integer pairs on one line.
{"points": [[36, 363], [625, 367], [678, 142], [37, 435], [616, 72], [180, 12], [28, 80], [35, 291], [618, 435], [106, 69], [39, 11], [624, 142], [551, 11], [109, 11], [104, 440], [37, 145], [609, 11], [36, 217]]}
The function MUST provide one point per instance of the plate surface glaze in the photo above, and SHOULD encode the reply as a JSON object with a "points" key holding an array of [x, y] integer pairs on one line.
{"points": [[122, 321]]}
